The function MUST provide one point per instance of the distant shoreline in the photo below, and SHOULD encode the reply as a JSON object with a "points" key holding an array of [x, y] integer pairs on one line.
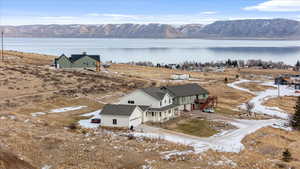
{"points": [[217, 39]]}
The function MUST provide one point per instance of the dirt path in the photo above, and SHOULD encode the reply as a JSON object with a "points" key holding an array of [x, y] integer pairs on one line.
{"points": [[261, 97]]}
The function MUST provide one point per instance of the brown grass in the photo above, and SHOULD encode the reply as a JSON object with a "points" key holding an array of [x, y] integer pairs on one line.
{"points": [[255, 87], [29, 58], [286, 103], [62, 119], [27, 86]]}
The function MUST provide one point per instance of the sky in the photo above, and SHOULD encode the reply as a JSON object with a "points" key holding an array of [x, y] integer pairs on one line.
{"points": [[28, 12]]}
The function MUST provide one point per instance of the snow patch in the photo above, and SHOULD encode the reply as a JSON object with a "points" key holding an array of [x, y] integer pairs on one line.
{"points": [[37, 114], [47, 167], [60, 110], [262, 97], [66, 109], [87, 122]]}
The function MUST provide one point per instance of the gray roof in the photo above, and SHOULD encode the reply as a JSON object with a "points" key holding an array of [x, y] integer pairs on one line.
{"points": [[164, 108], [185, 90], [76, 57], [118, 109], [144, 108], [155, 92]]}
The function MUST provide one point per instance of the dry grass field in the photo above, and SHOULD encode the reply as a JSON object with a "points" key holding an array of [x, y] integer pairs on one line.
{"points": [[255, 86], [286, 103], [28, 85]]}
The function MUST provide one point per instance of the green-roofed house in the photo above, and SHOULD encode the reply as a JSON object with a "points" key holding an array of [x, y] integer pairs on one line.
{"points": [[78, 61]]}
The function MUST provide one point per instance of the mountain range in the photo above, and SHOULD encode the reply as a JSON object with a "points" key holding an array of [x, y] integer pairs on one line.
{"points": [[235, 29]]}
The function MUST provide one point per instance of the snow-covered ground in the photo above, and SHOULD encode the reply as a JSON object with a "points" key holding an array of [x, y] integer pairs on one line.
{"points": [[60, 110], [65, 109], [230, 140], [263, 96], [87, 122], [227, 141]]}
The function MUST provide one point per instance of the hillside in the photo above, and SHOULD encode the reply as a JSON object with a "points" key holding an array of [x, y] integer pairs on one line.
{"points": [[237, 29]]}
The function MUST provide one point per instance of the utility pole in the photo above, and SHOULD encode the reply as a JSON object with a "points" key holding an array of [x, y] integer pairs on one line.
{"points": [[278, 90], [2, 47]]}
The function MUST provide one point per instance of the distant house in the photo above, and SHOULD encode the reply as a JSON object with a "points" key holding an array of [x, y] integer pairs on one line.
{"points": [[78, 61], [121, 115], [297, 86], [287, 79], [180, 77], [187, 96]]}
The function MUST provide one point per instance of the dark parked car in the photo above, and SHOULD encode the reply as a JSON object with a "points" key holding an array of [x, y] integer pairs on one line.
{"points": [[96, 121]]}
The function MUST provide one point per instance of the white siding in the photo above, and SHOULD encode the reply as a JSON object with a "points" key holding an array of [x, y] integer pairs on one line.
{"points": [[107, 121], [123, 121], [161, 116], [167, 100], [136, 117], [140, 98]]}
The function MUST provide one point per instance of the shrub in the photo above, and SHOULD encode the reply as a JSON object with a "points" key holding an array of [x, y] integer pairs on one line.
{"points": [[72, 126], [286, 156]]}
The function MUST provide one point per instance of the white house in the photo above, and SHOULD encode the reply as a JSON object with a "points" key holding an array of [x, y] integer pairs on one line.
{"points": [[180, 77], [153, 104], [158, 105], [121, 115]]}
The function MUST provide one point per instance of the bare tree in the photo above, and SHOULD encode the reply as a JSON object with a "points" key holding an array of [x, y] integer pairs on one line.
{"points": [[249, 108]]}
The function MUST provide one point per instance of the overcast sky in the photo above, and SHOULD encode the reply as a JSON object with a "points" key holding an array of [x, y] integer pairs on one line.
{"points": [[25, 12]]}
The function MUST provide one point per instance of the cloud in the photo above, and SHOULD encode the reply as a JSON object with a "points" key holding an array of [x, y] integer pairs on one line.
{"points": [[112, 15], [113, 18], [276, 6], [209, 12], [56, 19]]}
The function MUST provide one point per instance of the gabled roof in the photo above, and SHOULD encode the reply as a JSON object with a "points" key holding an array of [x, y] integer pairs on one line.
{"points": [[76, 57], [118, 109], [144, 108], [185, 90], [164, 108], [155, 92]]}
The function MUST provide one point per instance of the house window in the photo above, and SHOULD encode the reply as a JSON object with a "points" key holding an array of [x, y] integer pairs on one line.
{"points": [[115, 122], [160, 114], [130, 102], [152, 113]]}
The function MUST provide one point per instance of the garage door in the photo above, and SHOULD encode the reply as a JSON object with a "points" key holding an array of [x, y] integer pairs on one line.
{"points": [[135, 122]]}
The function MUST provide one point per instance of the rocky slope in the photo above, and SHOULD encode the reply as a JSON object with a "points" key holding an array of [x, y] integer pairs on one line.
{"points": [[238, 29], [11, 161]]}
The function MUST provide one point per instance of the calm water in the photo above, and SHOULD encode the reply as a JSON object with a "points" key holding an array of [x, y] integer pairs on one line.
{"points": [[162, 50]]}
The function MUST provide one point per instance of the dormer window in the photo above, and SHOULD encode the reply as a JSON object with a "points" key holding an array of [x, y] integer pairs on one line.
{"points": [[130, 102]]}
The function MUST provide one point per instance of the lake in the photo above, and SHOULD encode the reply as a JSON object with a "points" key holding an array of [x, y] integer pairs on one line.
{"points": [[162, 50]]}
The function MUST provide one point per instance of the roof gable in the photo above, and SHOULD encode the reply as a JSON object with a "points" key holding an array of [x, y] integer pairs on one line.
{"points": [[155, 92], [76, 57]]}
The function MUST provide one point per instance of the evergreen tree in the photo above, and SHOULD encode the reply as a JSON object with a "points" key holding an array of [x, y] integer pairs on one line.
{"points": [[286, 156], [298, 64], [226, 80], [295, 119]]}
